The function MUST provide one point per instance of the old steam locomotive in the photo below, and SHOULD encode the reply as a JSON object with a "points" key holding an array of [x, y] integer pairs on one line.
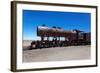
{"points": [[70, 37]]}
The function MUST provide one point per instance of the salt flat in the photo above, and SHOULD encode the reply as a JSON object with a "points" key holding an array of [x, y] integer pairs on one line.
{"points": [[57, 54]]}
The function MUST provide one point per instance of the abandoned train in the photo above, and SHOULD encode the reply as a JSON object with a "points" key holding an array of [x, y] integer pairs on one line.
{"points": [[70, 37]]}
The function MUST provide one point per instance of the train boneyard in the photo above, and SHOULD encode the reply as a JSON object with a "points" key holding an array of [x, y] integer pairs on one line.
{"points": [[71, 37]]}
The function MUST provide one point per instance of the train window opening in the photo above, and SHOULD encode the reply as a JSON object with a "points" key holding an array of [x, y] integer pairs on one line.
{"points": [[81, 35], [62, 39]]}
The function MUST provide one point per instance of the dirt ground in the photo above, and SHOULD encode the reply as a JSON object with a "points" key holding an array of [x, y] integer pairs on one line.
{"points": [[57, 54]]}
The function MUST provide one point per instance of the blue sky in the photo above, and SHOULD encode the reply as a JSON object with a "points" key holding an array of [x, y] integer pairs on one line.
{"points": [[65, 20]]}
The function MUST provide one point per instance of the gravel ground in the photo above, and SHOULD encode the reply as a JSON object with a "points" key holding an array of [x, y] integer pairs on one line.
{"points": [[57, 54]]}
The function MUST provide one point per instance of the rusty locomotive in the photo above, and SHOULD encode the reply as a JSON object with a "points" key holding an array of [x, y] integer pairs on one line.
{"points": [[70, 37]]}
